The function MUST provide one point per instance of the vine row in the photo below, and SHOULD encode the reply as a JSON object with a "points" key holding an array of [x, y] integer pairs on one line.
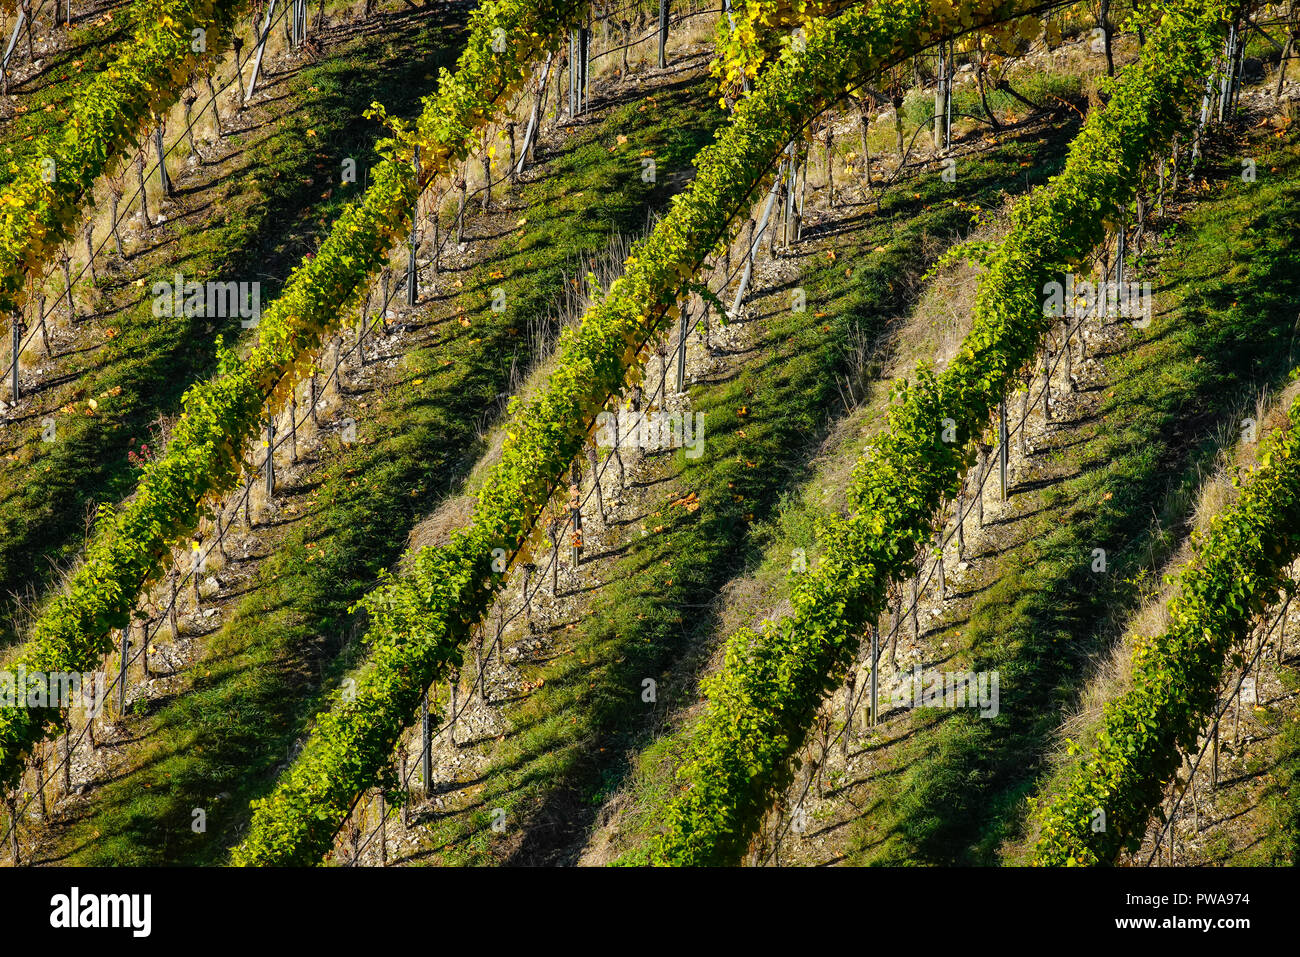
{"points": [[221, 416], [773, 679], [41, 202], [418, 621], [1238, 565]]}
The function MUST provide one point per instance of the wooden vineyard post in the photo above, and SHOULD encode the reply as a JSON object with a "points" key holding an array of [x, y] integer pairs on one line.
{"points": [[144, 649], [941, 103], [362, 320], [293, 422], [575, 514], [478, 682], [573, 72], [270, 459], [1024, 413], [463, 185], [663, 34], [875, 673], [979, 485], [961, 520], [943, 586], [1281, 632], [848, 710], [529, 570], [777, 242], [412, 273], [340, 385], [802, 180], [514, 171], [435, 254], [682, 328], [163, 178], [216, 107], [11, 806], [123, 659], [584, 65], [1214, 757], [171, 608], [66, 262], [237, 43], [89, 235], [553, 533], [115, 200], [90, 718], [594, 461], [916, 602], [17, 328], [40, 781], [426, 745], [830, 163], [1047, 380], [196, 563], [406, 802], [1121, 252], [144, 199], [898, 626], [453, 694], [67, 758], [749, 250], [1002, 446], [618, 456], [865, 107], [383, 829], [45, 329]]}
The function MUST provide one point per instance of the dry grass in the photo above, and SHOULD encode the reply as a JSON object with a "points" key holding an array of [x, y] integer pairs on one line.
{"points": [[1112, 673]]}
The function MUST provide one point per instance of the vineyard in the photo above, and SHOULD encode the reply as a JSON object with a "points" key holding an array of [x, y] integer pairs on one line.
{"points": [[649, 432]]}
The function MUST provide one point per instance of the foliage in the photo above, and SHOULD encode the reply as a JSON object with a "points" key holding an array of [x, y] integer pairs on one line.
{"points": [[40, 202], [773, 679], [418, 621], [221, 416], [1243, 559]]}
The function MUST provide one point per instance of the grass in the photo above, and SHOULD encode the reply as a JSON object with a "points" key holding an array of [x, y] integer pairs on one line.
{"points": [[43, 100], [570, 741], [270, 210], [1280, 800], [1226, 280], [262, 675]]}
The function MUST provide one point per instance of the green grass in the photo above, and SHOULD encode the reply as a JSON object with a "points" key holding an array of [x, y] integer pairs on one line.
{"points": [[1042, 88], [1280, 800], [567, 750], [271, 209], [261, 678], [1227, 283], [42, 102]]}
